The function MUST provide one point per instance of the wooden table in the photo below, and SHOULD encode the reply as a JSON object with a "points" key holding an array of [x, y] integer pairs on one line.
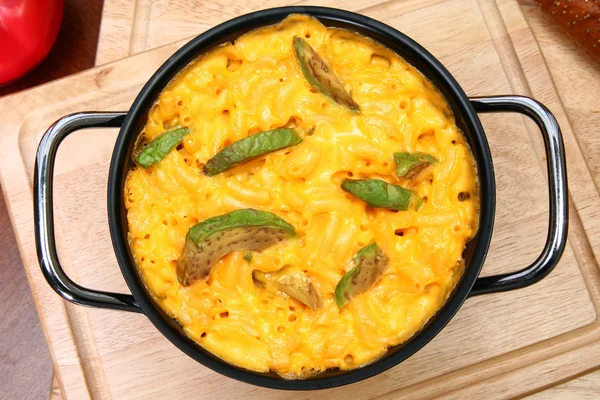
{"points": [[25, 365], [77, 44]]}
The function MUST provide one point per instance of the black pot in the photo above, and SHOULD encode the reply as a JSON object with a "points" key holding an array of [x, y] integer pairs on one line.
{"points": [[131, 124]]}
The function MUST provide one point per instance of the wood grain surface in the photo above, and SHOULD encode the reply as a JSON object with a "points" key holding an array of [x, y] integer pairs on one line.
{"points": [[586, 387], [527, 80], [25, 365], [576, 75]]}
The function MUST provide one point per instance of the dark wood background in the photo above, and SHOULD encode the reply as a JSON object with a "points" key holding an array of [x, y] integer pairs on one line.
{"points": [[25, 365]]}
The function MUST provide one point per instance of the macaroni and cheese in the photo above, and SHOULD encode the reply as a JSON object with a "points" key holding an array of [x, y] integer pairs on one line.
{"points": [[253, 85]]}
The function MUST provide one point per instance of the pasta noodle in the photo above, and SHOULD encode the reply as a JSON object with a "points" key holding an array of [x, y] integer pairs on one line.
{"points": [[254, 84]]}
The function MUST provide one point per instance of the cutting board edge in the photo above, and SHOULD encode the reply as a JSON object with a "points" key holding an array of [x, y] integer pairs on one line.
{"points": [[63, 351]]}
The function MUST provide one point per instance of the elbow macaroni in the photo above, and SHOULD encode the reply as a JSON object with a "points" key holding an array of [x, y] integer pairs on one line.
{"points": [[252, 85]]}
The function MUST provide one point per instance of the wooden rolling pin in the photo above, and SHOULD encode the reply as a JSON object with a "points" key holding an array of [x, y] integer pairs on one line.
{"points": [[579, 18]]}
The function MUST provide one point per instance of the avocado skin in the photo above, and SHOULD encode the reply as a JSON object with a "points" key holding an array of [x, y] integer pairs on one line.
{"points": [[370, 264], [409, 165], [249, 148], [380, 194], [319, 76], [158, 148], [293, 282], [209, 240]]}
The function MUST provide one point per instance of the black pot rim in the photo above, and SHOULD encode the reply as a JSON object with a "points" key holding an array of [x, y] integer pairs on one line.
{"points": [[431, 68]]}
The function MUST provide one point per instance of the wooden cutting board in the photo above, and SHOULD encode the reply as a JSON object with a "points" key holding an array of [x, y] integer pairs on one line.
{"points": [[497, 346], [576, 75]]}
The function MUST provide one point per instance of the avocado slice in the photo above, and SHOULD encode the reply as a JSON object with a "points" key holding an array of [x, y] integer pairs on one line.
{"points": [[251, 147], [318, 74], [411, 164], [209, 240], [370, 264], [380, 194], [161, 146], [292, 282]]}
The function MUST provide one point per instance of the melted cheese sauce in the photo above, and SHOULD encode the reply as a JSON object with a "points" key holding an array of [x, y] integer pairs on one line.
{"points": [[256, 85]]}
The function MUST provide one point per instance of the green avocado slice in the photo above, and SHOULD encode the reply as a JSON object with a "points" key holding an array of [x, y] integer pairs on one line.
{"points": [[161, 146], [370, 264], [292, 282], [251, 147], [411, 164], [380, 194], [209, 240], [318, 74]]}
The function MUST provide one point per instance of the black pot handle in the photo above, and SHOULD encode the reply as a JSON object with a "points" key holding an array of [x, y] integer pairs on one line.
{"points": [[557, 182], [45, 240]]}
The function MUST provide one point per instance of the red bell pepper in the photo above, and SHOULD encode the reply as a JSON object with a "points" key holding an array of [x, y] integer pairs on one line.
{"points": [[28, 29]]}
